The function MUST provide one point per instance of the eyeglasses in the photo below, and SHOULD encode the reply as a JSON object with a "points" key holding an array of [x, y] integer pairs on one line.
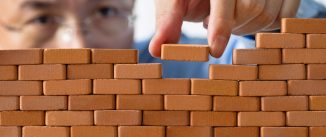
{"points": [[105, 21]]}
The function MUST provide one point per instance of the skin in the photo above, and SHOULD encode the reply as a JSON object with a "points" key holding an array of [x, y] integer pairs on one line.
{"points": [[39, 28]]}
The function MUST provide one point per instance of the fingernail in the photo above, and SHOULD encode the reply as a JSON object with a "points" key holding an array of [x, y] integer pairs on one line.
{"points": [[218, 46]]}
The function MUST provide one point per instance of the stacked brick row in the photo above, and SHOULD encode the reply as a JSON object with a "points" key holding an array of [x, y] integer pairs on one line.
{"points": [[278, 89]]}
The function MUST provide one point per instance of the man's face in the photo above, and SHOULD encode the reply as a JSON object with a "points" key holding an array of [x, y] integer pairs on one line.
{"points": [[66, 24]]}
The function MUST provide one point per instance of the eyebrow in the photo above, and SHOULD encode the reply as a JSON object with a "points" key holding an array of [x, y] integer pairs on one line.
{"points": [[37, 4]]}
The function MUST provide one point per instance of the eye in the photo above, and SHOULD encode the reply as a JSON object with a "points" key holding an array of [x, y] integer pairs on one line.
{"points": [[107, 11], [41, 20]]}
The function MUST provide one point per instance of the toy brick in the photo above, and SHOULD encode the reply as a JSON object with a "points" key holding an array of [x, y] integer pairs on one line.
{"points": [[214, 87], [232, 72], [20, 88], [280, 40], [236, 132], [69, 118], [306, 118], [67, 56], [165, 118], [166, 86], [118, 117], [10, 131], [316, 71], [185, 52], [224, 103], [317, 131], [188, 131], [91, 102], [9, 103], [187, 102], [296, 25], [21, 57], [42, 72], [141, 131], [67, 87], [282, 72], [8, 73], [44, 131], [284, 132], [90, 71], [117, 86], [306, 87], [120, 56], [43, 103], [94, 131], [316, 41], [257, 56], [263, 88], [284, 103], [268, 119], [305, 56], [317, 103], [140, 102], [21, 118], [138, 71], [209, 118]]}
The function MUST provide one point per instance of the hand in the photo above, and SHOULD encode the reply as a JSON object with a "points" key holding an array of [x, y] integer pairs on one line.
{"points": [[220, 17]]}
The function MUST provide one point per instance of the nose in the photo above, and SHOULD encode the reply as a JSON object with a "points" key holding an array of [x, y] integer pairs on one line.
{"points": [[71, 36]]}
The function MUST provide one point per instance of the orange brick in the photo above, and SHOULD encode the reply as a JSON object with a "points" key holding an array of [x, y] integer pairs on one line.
{"points": [[187, 102], [317, 102], [284, 132], [263, 88], [316, 71], [20, 88], [214, 87], [67, 87], [280, 40], [138, 71], [166, 86], [117, 86], [140, 102], [284, 103], [224, 103], [187, 131], [306, 87], [9, 103], [90, 71], [120, 56], [232, 72], [21, 56], [209, 118], [257, 56], [166, 118], [141, 131], [43, 103], [67, 56], [94, 131], [268, 119], [316, 41], [185, 52], [91, 102], [10, 131], [306, 118], [236, 132], [296, 25], [304, 56], [69, 118], [43, 131], [8, 72], [317, 131], [21, 118], [42, 72], [282, 72], [118, 117]]}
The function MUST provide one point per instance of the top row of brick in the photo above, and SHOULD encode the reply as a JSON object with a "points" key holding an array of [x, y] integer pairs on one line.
{"points": [[303, 26], [68, 56]]}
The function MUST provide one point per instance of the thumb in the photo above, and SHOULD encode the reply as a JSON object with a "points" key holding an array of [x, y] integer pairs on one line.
{"points": [[169, 17]]}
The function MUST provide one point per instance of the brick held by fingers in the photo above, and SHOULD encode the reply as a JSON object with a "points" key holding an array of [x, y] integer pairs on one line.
{"points": [[185, 52]]}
